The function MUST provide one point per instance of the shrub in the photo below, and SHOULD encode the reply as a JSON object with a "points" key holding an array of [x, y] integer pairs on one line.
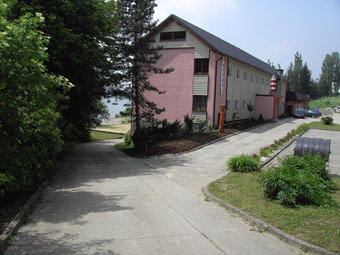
{"points": [[327, 120], [127, 137], [188, 123], [298, 181], [243, 163]]}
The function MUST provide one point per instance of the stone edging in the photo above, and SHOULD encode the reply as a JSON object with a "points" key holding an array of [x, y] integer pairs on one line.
{"points": [[305, 246], [20, 218]]}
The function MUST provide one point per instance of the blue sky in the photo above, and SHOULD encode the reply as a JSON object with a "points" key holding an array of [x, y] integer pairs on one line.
{"points": [[267, 29]]}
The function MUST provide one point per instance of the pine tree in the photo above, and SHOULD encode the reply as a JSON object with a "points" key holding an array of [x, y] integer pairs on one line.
{"points": [[137, 56], [305, 77], [330, 75]]}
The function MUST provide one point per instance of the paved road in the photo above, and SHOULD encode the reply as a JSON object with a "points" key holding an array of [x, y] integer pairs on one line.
{"points": [[103, 202]]}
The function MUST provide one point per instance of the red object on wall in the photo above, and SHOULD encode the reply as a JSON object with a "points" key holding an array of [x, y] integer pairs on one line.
{"points": [[273, 84]]}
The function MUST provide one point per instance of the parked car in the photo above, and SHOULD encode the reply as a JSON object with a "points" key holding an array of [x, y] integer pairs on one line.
{"points": [[317, 110], [311, 113], [299, 113]]}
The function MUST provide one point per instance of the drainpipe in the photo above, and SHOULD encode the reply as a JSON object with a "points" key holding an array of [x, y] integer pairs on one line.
{"points": [[215, 89]]}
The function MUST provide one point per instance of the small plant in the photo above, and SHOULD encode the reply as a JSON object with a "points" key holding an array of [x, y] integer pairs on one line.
{"points": [[250, 108], [243, 163], [299, 180], [127, 138], [188, 123], [327, 120]]}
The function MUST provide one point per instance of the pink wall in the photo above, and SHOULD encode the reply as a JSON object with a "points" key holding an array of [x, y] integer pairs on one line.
{"points": [[177, 99], [220, 99], [264, 105]]}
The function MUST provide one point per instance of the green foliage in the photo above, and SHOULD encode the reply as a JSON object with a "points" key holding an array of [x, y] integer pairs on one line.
{"points": [[188, 123], [325, 102], [127, 137], [330, 75], [327, 120], [29, 133], [299, 180], [243, 163], [81, 48]]}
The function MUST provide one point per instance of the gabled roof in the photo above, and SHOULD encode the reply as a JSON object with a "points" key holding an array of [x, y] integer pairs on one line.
{"points": [[220, 45], [292, 95]]}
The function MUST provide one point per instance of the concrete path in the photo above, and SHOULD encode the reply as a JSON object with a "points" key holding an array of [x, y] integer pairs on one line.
{"points": [[103, 202]]}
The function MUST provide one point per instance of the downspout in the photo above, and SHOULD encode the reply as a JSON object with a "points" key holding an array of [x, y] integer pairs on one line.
{"points": [[215, 89]]}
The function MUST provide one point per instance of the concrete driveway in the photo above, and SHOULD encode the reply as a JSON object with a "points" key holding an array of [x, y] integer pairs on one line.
{"points": [[103, 202]]}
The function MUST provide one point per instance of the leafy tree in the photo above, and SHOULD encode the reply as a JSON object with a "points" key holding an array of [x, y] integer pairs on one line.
{"points": [[294, 73], [29, 136], [81, 48], [330, 75], [305, 77], [137, 56]]}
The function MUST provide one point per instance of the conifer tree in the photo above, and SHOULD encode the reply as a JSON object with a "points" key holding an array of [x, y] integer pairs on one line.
{"points": [[137, 56]]}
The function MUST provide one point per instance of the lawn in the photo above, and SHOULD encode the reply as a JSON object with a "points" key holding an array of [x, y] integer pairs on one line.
{"points": [[316, 225], [97, 135], [325, 102], [320, 125]]}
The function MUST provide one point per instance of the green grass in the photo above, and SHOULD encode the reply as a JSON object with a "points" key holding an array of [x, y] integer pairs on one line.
{"points": [[320, 125], [97, 135], [325, 102], [123, 146], [317, 225]]}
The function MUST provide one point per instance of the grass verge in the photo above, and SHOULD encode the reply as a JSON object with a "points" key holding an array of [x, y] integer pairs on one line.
{"points": [[320, 125], [123, 146], [97, 135], [316, 225]]}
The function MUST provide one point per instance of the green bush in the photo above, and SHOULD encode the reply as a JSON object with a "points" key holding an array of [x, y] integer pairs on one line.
{"points": [[188, 123], [127, 137], [243, 163], [298, 181], [327, 120]]}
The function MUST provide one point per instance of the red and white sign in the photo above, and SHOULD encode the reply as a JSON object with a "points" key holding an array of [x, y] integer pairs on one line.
{"points": [[273, 84]]}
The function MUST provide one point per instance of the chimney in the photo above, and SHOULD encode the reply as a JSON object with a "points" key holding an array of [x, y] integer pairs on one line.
{"points": [[280, 72]]}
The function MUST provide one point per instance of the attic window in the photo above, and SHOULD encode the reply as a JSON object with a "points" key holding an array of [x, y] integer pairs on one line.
{"points": [[173, 36]]}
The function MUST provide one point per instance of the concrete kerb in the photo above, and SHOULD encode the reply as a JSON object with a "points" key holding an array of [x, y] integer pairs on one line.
{"points": [[22, 215], [214, 141], [307, 247], [20, 218]]}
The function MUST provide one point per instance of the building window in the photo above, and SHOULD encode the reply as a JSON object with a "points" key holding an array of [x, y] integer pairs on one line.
{"points": [[244, 106], [200, 103], [257, 79], [237, 105], [250, 102], [202, 66], [230, 71], [228, 105], [173, 36], [238, 73], [245, 75]]}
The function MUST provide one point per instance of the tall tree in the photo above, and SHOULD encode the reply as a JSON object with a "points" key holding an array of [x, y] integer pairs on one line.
{"points": [[294, 73], [330, 75], [82, 49], [29, 133], [305, 77], [137, 55]]}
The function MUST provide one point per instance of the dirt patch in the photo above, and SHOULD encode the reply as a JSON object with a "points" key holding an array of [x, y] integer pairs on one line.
{"points": [[114, 128], [186, 143]]}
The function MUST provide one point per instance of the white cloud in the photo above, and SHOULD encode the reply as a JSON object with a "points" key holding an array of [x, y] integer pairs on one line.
{"points": [[192, 10]]}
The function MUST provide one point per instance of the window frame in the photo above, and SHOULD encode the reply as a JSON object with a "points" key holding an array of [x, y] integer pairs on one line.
{"points": [[203, 62], [238, 73], [173, 37], [200, 109], [237, 105]]}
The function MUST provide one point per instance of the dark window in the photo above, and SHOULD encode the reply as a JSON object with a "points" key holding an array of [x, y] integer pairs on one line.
{"points": [[200, 103], [202, 66], [170, 36]]}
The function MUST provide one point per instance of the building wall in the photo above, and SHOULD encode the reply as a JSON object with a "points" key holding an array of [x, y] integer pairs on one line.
{"points": [[201, 49], [242, 90], [264, 105], [178, 85]]}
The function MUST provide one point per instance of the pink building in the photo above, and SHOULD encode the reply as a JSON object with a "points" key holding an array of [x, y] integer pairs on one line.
{"points": [[209, 72]]}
